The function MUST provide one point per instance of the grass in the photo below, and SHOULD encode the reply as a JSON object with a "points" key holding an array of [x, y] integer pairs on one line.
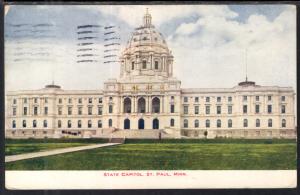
{"points": [[21, 146], [173, 155]]}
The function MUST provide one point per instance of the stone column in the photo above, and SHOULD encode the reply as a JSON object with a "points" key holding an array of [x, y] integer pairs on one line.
{"points": [[122, 104], [150, 104]]}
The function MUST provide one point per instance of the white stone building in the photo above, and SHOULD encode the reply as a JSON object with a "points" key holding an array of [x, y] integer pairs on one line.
{"points": [[147, 101]]}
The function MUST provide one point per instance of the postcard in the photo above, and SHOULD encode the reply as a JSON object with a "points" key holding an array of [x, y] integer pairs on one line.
{"points": [[150, 96]]}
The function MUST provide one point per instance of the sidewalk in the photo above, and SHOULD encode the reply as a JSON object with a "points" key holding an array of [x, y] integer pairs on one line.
{"points": [[54, 152]]}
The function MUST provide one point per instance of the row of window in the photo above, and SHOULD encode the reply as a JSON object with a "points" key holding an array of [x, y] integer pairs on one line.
{"points": [[229, 109], [90, 100], [185, 99], [155, 109], [144, 65], [70, 110], [59, 124], [35, 100], [229, 98], [229, 123], [172, 123]]}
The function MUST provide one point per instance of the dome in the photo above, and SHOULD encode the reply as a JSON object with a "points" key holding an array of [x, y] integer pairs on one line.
{"points": [[147, 53], [147, 36]]}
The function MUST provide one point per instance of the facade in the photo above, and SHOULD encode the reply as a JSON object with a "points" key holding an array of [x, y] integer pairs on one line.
{"points": [[147, 101]]}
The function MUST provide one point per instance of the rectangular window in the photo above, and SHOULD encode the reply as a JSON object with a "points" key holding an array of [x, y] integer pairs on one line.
{"points": [[156, 65], [90, 110], [90, 100], [15, 101], [229, 109], [207, 109], [257, 98], [218, 99], [70, 101], [185, 110], [196, 99], [59, 110], [35, 100], [132, 65], [14, 111], [59, 100], [269, 109], [283, 109], [196, 109], [25, 100], [229, 99], [35, 110], [144, 64], [245, 98], [69, 110], [282, 98], [185, 99], [79, 100], [172, 108], [218, 109], [245, 109], [79, 110], [46, 110], [100, 100], [46, 100], [269, 97], [25, 111], [110, 109], [207, 99], [99, 110], [256, 109]]}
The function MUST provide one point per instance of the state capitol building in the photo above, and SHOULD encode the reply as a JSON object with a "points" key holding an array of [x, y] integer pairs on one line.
{"points": [[147, 101]]}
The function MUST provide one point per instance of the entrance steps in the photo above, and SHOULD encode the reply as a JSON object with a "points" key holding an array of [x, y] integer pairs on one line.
{"points": [[141, 134]]}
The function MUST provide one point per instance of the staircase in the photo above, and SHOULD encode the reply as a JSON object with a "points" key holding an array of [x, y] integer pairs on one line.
{"points": [[140, 134], [117, 140]]}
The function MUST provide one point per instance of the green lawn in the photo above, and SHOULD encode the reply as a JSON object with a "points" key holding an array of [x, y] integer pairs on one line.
{"points": [[167, 155]]}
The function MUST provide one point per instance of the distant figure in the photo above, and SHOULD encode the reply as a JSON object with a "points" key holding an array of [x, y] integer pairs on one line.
{"points": [[159, 136]]}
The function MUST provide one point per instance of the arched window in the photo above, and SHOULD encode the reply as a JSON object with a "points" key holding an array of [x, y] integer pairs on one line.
{"points": [[89, 123], [34, 123], [127, 105], [283, 123], [24, 123], [79, 124], [144, 64], [69, 124], [245, 123], [219, 123], [45, 123], [196, 123], [99, 124], [59, 123], [156, 65], [257, 123], [270, 123], [172, 122], [229, 123], [13, 124], [155, 105], [141, 105], [207, 123], [185, 123], [110, 122]]}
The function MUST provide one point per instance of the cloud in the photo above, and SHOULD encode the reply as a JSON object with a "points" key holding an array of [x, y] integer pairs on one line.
{"points": [[211, 50], [208, 44], [161, 14]]}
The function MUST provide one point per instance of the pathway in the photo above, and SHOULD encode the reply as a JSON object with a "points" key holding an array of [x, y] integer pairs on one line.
{"points": [[54, 152]]}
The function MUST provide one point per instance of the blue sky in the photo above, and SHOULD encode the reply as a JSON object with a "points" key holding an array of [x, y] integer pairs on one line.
{"points": [[208, 43]]}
